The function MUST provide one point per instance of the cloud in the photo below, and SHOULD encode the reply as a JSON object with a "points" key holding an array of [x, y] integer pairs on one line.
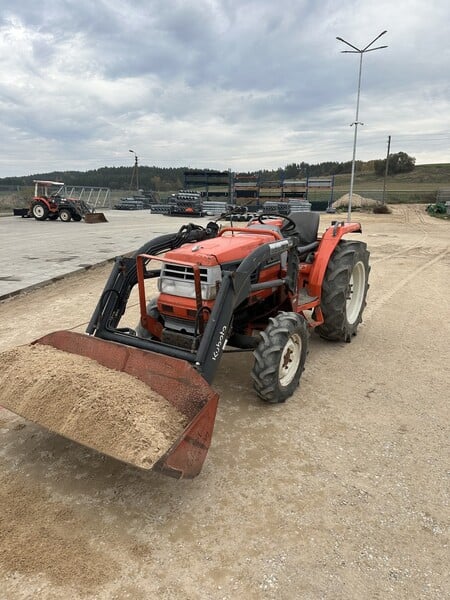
{"points": [[242, 84]]}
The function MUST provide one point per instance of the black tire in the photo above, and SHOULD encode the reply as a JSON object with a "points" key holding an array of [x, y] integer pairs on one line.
{"points": [[39, 211], [344, 291], [280, 357], [65, 215]]}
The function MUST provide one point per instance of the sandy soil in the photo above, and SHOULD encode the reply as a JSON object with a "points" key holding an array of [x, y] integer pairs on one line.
{"points": [[104, 409], [341, 493]]}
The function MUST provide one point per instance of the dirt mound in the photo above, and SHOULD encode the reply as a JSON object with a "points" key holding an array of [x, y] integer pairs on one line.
{"points": [[75, 396], [357, 202]]}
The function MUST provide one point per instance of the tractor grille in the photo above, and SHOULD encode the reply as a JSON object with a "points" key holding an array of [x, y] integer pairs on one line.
{"points": [[183, 272]]}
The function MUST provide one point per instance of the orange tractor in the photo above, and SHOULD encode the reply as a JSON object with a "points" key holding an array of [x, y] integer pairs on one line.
{"points": [[260, 288]]}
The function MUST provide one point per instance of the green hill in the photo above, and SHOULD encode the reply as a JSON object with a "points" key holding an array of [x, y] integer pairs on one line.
{"points": [[424, 177]]}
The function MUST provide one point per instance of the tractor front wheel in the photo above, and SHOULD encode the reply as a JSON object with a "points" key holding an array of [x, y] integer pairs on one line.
{"points": [[39, 211], [344, 291], [65, 215], [280, 357]]}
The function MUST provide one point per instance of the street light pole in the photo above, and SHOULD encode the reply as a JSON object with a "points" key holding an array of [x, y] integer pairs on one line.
{"points": [[357, 122], [386, 169], [135, 171]]}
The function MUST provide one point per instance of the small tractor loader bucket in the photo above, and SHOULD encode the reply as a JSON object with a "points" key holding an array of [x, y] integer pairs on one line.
{"points": [[139, 407], [95, 218]]}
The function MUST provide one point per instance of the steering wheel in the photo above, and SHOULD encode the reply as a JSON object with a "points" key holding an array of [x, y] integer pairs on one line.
{"points": [[287, 227]]}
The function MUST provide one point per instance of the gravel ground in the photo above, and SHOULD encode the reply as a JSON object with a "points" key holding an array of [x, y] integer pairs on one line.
{"points": [[341, 493]]}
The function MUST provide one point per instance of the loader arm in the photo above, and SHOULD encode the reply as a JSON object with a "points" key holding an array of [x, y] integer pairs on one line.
{"points": [[235, 288], [113, 300]]}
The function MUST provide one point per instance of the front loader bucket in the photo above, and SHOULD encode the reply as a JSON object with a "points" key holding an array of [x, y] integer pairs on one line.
{"points": [[95, 218], [142, 408]]}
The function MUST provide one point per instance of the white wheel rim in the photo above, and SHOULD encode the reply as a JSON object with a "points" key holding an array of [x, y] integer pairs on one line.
{"points": [[356, 292], [290, 359], [38, 211]]}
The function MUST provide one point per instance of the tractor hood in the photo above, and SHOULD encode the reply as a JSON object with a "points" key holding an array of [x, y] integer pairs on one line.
{"points": [[222, 249]]}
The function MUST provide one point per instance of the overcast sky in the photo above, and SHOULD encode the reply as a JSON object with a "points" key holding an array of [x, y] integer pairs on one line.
{"points": [[227, 84]]}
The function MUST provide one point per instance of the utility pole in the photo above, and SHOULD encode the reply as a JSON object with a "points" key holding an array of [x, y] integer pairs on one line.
{"points": [[135, 173], [386, 170], [230, 187]]}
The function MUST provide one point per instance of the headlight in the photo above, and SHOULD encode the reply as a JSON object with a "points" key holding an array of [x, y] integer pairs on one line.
{"points": [[178, 280]]}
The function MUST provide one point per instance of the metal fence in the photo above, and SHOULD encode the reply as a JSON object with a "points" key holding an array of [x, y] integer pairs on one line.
{"points": [[96, 197], [10, 188], [443, 195]]}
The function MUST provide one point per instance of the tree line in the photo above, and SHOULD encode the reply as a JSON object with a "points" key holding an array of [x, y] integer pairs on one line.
{"points": [[172, 178], [399, 162], [118, 178]]}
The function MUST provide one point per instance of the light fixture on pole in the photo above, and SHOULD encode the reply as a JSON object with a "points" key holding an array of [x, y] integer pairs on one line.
{"points": [[356, 122], [135, 173]]}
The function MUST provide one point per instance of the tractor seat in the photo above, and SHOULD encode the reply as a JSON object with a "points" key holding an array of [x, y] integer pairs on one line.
{"points": [[306, 226]]}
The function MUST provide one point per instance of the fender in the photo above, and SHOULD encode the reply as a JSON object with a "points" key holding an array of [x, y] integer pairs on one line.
{"points": [[45, 201], [330, 239]]}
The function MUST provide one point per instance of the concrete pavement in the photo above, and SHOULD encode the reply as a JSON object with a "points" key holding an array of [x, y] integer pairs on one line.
{"points": [[34, 252]]}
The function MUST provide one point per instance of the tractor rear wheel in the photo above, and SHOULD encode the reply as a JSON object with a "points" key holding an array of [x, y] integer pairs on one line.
{"points": [[39, 211], [65, 215], [344, 291], [280, 357]]}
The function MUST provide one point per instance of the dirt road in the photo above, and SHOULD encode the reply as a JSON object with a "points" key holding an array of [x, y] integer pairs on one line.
{"points": [[341, 493]]}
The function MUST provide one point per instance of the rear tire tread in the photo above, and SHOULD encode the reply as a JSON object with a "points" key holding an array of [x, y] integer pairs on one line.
{"points": [[335, 290]]}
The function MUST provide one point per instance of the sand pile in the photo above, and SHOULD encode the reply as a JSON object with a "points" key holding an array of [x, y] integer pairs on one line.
{"points": [[357, 202], [75, 396]]}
